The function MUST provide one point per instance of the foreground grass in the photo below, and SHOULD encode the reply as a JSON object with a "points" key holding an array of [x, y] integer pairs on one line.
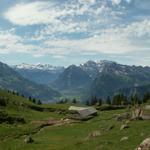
{"points": [[74, 136]]}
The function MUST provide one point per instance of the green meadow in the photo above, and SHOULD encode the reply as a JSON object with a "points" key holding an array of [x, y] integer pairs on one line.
{"points": [[70, 136]]}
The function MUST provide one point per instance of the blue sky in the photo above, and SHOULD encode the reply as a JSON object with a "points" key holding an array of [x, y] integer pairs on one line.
{"points": [[64, 32]]}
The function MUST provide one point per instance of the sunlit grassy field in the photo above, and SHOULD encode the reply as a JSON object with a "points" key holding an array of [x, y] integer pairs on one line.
{"points": [[72, 136]]}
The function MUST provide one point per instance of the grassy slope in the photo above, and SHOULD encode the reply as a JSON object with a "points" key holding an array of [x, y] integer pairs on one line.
{"points": [[71, 136]]}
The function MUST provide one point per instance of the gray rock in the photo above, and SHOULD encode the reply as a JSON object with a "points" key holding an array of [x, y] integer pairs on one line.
{"points": [[93, 135], [145, 145], [28, 139], [123, 116], [124, 138], [124, 126]]}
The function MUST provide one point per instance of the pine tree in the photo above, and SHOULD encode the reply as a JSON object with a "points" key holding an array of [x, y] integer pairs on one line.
{"points": [[116, 100], [39, 102], [135, 99], [146, 97], [108, 101], [100, 101], [74, 101], [94, 100], [34, 100], [87, 103], [30, 98]]}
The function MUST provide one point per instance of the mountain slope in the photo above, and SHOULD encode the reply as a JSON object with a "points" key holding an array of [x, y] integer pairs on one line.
{"points": [[10, 79], [140, 90], [72, 78], [114, 76], [41, 74], [102, 78]]}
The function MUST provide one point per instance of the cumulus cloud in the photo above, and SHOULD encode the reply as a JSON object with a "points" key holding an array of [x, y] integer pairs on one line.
{"points": [[64, 26], [12, 43], [32, 13], [116, 2], [116, 40], [39, 12]]}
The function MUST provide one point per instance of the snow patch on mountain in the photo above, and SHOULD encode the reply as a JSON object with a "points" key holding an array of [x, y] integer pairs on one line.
{"points": [[44, 67]]}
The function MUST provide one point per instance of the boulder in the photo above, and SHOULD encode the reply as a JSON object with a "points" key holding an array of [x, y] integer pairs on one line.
{"points": [[123, 116], [145, 145], [28, 139]]}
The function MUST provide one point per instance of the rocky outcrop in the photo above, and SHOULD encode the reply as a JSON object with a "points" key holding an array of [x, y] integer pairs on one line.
{"points": [[145, 145]]}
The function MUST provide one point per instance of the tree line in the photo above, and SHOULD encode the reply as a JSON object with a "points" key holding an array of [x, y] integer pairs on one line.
{"points": [[30, 98], [119, 99]]}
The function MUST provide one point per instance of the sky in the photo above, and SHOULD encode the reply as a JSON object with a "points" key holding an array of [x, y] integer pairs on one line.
{"points": [[65, 32]]}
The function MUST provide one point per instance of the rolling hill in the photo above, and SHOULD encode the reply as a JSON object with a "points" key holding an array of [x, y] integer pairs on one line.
{"points": [[73, 77]]}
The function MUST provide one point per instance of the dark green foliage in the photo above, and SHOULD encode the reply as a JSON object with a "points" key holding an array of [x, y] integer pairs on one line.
{"points": [[109, 107], [66, 100], [60, 101], [34, 100], [108, 101], [87, 103], [135, 100], [4, 117], [146, 97], [39, 102], [93, 100], [3, 101], [74, 101], [119, 99], [100, 102], [30, 98], [63, 101]]}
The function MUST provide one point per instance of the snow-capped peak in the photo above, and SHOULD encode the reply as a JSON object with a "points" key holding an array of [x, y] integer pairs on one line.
{"points": [[37, 66]]}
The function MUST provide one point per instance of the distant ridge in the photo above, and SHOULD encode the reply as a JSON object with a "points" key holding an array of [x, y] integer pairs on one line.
{"points": [[99, 78], [12, 80]]}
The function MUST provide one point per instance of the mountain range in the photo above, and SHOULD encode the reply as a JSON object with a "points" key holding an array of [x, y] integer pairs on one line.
{"points": [[41, 74], [12, 80], [102, 78]]}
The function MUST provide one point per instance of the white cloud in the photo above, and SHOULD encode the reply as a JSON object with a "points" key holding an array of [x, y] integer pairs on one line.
{"points": [[116, 2], [87, 1], [7, 37], [118, 40], [39, 12], [32, 13], [89, 19], [102, 44], [108, 39], [12, 43]]}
